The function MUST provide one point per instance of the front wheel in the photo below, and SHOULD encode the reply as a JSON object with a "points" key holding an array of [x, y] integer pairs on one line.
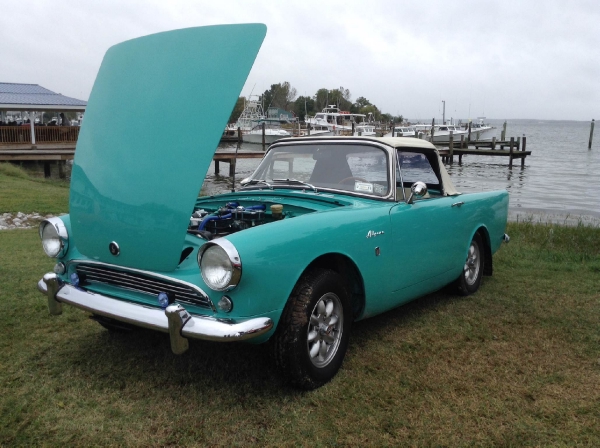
{"points": [[312, 336], [470, 279]]}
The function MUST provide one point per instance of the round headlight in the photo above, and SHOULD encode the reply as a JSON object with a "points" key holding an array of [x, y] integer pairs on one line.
{"points": [[220, 265], [54, 237]]}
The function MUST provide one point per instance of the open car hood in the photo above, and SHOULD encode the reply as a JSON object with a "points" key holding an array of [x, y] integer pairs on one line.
{"points": [[153, 121]]}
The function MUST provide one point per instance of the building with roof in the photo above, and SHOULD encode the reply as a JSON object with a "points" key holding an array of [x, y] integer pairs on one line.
{"points": [[33, 97]]}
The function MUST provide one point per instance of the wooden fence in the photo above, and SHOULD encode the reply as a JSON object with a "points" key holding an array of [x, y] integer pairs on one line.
{"points": [[43, 134]]}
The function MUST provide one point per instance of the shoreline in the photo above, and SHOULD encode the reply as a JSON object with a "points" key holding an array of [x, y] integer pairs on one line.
{"points": [[20, 220], [540, 216]]}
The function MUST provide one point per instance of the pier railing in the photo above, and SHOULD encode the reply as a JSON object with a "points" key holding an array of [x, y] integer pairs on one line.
{"points": [[43, 134]]}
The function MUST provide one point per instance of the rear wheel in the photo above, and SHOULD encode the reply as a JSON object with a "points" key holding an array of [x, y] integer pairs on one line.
{"points": [[312, 336], [470, 279]]}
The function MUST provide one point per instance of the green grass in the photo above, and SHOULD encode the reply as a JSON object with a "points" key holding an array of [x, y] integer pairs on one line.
{"points": [[20, 192], [516, 364]]}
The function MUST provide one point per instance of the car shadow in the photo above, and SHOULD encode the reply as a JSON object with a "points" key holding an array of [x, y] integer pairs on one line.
{"points": [[116, 359]]}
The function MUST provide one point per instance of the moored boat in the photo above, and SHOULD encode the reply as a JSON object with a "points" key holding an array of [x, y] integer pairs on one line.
{"points": [[481, 131]]}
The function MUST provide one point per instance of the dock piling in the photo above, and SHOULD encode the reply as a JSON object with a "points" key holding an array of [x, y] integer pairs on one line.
{"points": [[591, 134], [512, 144], [451, 147], [523, 149], [503, 134]]}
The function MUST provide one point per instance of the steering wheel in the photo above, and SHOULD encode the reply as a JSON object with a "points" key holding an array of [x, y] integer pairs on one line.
{"points": [[360, 179]]}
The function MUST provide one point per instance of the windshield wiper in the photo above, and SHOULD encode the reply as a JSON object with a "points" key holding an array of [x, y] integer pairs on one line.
{"points": [[296, 181], [248, 182]]}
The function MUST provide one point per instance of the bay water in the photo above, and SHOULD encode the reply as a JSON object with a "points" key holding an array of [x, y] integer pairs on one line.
{"points": [[560, 181]]}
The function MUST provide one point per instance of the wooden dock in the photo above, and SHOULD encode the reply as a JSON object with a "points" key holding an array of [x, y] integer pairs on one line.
{"points": [[516, 150], [230, 157]]}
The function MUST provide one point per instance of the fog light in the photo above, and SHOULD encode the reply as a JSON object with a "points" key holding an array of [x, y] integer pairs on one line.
{"points": [[59, 268], [225, 304], [165, 299], [74, 279]]}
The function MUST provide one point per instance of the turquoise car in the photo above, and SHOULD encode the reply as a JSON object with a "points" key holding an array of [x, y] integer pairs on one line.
{"points": [[327, 231]]}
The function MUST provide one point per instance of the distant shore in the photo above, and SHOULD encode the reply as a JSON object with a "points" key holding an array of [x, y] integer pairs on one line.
{"points": [[537, 216]]}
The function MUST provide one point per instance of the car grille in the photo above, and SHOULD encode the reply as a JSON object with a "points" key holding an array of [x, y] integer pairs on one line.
{"points": [[142, 283]]}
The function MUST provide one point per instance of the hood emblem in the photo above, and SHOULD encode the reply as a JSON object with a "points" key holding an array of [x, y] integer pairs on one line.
{"points": [[371, 233], [114, 249]]}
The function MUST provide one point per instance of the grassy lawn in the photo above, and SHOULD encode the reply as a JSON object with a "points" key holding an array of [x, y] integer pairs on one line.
{"points": [[518, 364], [20, 192]]}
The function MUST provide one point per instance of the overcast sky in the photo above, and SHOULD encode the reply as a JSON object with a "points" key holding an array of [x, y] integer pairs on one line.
{"points": [[501, 59]]}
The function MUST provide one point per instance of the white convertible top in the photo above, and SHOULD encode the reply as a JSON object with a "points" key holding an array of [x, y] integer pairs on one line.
{"points": [[396, 142], [424, 146]]}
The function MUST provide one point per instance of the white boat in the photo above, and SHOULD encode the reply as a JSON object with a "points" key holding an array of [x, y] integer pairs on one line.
{"points": [[337, 121], [251, 120], [365, 129], [316, 129], [252, 114], [402, 131], [481, 131], [441, 133], [272, 134]]}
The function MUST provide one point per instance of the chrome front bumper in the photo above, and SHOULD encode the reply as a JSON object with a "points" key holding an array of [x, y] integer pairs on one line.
{"points": [[174, 320]]}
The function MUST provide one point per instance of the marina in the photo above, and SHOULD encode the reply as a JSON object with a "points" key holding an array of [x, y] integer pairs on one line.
{"points": [[551, 153]]}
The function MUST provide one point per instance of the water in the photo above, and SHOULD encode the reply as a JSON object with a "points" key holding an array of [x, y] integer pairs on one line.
{"points": [[560, 181]]}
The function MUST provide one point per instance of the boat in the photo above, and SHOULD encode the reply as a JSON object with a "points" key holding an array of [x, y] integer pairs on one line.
{"points": [[273, 132], [335, 120], [402, 131], [251, 121], [441, 133], [365, 129], [481, 131]]}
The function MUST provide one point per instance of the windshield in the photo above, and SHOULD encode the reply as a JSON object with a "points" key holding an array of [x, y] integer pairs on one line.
{"points": [[351, 167]]}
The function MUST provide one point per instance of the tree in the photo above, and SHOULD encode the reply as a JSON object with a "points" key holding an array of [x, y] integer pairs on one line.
{"points": [[321, 99], [361, 102], [237, 110], [303, 106], [280, 95]]}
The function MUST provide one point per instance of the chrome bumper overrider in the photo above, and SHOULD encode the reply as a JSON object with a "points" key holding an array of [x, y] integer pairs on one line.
{"points": [[174, 320]]}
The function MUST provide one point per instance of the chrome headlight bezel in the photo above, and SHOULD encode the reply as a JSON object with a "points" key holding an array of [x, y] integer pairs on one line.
{"points": [[54, 229], [229, 254]]}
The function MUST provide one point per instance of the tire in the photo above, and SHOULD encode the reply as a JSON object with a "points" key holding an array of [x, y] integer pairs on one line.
{"points": [[313, 333], [469, 280]]}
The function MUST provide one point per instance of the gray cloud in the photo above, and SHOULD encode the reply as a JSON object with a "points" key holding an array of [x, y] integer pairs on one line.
{"points": [[508, 59]]}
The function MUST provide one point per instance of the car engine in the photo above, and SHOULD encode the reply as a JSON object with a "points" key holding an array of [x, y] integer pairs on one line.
{"points": [[231, 218]]}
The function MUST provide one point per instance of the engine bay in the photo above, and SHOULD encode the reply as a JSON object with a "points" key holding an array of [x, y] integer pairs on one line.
{"points": [[231, 218]]}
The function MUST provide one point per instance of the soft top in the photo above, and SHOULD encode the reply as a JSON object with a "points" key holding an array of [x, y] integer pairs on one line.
{"points": [[422, 146]]}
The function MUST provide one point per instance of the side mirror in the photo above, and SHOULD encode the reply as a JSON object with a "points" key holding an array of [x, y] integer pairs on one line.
{"points": [[418, 189]]}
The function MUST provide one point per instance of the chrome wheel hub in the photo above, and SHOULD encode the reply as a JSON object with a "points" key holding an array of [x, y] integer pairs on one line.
{"points": [[325, 330], [471, 268]]}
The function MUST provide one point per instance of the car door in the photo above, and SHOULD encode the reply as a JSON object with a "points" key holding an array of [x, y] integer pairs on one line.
{"points": [[429, 236]]}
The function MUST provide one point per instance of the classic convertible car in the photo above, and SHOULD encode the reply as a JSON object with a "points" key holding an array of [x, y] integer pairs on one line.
{"points": [[325, 232]]}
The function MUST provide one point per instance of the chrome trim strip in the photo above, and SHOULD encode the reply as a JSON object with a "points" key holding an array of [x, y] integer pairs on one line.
{"points": [[196, 327]]}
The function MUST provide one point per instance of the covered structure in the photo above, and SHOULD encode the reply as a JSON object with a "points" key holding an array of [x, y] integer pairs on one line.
{"points": [[33, 99]]}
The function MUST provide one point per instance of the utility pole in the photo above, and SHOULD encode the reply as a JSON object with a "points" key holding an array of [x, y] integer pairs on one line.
{"points": [[444, 112]]}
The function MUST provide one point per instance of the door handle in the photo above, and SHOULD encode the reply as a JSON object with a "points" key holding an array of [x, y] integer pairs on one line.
{"points": [[457, 204]]}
